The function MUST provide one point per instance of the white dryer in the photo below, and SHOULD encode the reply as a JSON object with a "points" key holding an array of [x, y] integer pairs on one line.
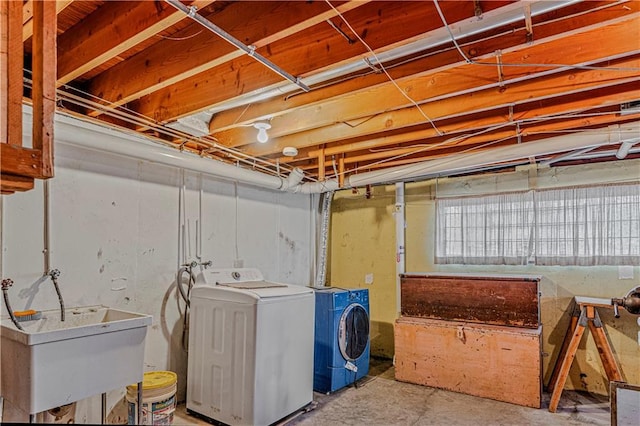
{"points": [[251, 347]]}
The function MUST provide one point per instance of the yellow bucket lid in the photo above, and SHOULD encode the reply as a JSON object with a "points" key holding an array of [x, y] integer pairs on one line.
{"points": [[155, 380]]}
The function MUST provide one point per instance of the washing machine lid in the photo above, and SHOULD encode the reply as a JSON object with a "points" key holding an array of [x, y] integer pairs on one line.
{"points": [[242, 285], [250, 295]]}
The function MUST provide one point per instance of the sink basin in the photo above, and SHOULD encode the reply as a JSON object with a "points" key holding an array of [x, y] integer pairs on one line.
{"points": [[52, 363]]}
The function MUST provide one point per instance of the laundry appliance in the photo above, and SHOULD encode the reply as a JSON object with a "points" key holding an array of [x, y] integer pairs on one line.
{"points": [[342, 346], [250, 347]]}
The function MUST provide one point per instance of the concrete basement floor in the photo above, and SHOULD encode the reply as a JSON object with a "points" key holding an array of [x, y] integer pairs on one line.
{"points": [[381, 400]]}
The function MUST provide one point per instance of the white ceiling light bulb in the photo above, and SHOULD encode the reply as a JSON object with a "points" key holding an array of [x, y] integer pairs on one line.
{"points": [[262, 127]]}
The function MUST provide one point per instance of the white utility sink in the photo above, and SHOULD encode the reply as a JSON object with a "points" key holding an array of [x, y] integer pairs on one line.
{"points": [[52, 363]]}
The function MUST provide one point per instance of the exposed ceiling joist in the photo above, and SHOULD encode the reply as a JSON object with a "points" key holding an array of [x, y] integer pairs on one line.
{"points": [[143, 65]]}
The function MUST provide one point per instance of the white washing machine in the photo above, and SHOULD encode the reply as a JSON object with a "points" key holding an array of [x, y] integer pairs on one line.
{"points": [[251, 347]]}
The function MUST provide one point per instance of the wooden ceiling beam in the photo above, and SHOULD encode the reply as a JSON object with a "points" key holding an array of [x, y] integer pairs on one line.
{"points": [[317, 49], [510, 133], [196, 49], [540, 89], [27, 29], [578, 104], [429, 86], [247, 114], [565, 105], [112, 29]]}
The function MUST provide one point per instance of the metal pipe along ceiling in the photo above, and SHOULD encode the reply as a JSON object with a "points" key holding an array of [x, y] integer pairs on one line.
{"points": [[249, 50]]}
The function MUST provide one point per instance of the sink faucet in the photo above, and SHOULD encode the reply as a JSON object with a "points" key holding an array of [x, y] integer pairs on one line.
{"points": [[6, 283], [54, 274]]}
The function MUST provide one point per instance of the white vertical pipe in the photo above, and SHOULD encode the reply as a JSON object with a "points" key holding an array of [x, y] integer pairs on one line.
{"points": [[46, 250], [400, 243], [1, 260]]}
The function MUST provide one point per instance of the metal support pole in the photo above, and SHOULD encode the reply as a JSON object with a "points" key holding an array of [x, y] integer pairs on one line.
{"points": [[104, 408], [399, 213], [249, 50], [139, 403]]}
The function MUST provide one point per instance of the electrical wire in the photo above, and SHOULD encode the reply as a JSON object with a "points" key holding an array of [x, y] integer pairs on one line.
{"points": [[506, 64], [180, 38], [383, 69]]}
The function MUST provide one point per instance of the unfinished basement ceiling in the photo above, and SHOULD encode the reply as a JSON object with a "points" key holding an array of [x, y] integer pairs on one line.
{"points": [[386, 84]]}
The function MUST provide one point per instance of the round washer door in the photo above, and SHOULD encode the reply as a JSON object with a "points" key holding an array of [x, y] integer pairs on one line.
{"points": [[353, 332]]}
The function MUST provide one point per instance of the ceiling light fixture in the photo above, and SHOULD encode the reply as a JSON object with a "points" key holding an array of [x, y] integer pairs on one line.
{"points": [[262, 127]]}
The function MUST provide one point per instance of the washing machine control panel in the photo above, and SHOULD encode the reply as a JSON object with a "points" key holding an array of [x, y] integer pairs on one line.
{"points": [[358, 296], [231, 275]]}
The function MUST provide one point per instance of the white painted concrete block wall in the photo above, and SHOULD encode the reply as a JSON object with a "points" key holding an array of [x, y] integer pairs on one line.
{"points": [[115, 238]]}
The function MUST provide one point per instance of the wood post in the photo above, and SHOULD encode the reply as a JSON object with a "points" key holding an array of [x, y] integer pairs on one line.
{"points": [[321, 165], [44, 81], [20, 165], [11, 72]]}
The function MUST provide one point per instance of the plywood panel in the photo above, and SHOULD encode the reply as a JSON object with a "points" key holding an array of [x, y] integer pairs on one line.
{"points": [[499, 300], [501, 363]]}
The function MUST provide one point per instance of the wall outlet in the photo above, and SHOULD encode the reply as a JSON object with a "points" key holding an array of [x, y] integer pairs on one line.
{"points": [[368, 279], [238, 263]]}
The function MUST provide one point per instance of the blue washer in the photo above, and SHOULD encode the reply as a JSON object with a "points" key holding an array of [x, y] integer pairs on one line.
{"points": [[342, 344]]}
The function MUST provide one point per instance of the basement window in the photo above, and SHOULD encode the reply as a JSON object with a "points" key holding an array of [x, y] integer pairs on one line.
{"points": [[597, 225], [494, 230]]}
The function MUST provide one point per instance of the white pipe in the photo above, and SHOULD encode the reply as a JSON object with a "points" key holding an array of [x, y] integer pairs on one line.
{"points": [[564, 157], [461, 162], [624, 149], [293, 180], [316, 187], [46, 250], [73, 131], [429, 40], [399, 214]]}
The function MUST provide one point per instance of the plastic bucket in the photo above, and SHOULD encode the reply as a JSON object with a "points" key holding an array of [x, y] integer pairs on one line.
{"points": [[158, 399]]}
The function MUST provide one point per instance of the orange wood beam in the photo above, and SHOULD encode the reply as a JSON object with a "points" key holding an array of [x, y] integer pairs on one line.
{"points": [[12, 183], [170, 61], [621, 40], [44, 81], [17, 160], [11, 63], [540, 89], [440, 145], [582, 102], [112, 29], [566, 105], [319, 47], [247, 114]]}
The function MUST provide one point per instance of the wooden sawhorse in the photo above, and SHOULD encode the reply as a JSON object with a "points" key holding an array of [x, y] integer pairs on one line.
{"points": [[585, 314]]}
